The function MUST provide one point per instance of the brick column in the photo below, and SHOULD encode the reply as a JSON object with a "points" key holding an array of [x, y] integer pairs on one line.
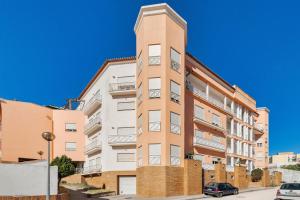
{"points": [[220, 171], [192, 177], [240, 177]]}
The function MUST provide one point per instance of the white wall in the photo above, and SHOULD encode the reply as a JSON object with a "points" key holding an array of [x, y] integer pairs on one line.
{"points": [[111, 118], [288, 176], [26, 179]]}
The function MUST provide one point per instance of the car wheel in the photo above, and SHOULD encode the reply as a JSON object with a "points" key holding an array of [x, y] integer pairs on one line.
{"points": [[220, 194], [236, 192]]}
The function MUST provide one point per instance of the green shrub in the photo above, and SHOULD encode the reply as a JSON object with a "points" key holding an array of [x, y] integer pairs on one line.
{"points": [[65, 166], [256, 175]]}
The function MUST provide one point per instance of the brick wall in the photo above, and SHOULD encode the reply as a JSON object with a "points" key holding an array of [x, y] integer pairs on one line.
{"points": [[241, 179], [209, 176], [220, 172], [192, 177]]}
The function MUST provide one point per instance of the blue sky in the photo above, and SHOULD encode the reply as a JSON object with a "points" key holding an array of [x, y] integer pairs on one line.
{"points": [[49, 50]]}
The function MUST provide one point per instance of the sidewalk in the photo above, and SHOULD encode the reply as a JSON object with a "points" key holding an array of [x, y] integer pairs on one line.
{"points": [[191, 197]]}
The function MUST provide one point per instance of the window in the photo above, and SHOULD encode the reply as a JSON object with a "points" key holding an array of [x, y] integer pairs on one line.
{"points": [[70, 127], [215, 160], [140, 156], [126, 106], [139, 63], [174, 123], [140, 124], [199, 112], [125, 157], [154, 54], [125, 130], [154, 154], [70, 146], [175, 60], [175, 92], [139, 94], [154, 120], [154, 87], [259, 144], [174, 155], [216, 120]]}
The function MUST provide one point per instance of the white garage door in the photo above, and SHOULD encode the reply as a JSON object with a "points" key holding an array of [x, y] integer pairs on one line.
{"points": [[127, 185]]}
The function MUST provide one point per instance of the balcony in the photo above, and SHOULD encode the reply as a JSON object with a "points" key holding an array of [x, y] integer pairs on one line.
{"points": [[93, 125], [93, 147], [258, 129], [217, 127], [119, 140], [94, 103], [203, 142], [154, 93], [92, 169], [125, 88]]}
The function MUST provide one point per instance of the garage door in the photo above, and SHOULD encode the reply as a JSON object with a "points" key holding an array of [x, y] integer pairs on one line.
{"points": [[127, 184]]}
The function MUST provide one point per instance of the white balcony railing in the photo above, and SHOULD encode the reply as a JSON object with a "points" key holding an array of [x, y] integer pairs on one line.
{"points": [[154, 60], [154, 93], [92, 169], [93, 125], [259, 127], [93, 104], [175, 128], [212, 125], [125, 88], [154, 159], [122, 139], [154, 126], [200, 141], [93, 146]]}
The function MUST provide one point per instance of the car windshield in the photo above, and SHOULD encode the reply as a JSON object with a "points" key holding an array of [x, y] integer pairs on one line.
{"points": [[212, 185], [290, 186]]}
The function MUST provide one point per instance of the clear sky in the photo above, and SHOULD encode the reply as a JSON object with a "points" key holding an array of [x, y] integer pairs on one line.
{"points": [[49, 50]]}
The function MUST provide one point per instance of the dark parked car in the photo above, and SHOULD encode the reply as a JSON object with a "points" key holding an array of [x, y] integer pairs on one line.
{"points": [[220, 189]]}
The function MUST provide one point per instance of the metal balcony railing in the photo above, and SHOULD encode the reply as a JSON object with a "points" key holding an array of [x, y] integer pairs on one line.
{"points": [[154, 60], [93, 103], [208, 143], [154, 160], [201, 120], [175, 65], [92, 169], [93, 146], [154, 126], [122, 139], [175, 128], [154, 93], [94, 124], [122, 88], [259, 127], [175, 97]]}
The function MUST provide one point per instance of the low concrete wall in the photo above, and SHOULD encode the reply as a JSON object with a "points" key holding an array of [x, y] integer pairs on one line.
{"points": [[26, 179], [64, 196], [288, 176]]}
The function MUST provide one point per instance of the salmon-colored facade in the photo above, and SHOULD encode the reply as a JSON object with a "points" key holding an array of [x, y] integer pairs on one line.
{"points": [[21, 127]]}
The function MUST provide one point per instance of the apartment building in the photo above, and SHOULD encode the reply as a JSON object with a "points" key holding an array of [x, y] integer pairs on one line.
{"points": [[146, 114], [21, 127], [284, 158]]}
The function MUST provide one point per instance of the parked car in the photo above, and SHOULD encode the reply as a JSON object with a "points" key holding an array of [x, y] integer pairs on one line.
{"points": [[288, 191], [220, 189]]}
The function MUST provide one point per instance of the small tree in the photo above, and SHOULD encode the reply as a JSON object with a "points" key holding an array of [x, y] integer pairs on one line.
{"points": [[65, 166], [256, 175]]}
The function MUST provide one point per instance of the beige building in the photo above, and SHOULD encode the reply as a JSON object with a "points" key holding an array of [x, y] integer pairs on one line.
{"points": [[147, 114], [21, 126], [285, 158]]}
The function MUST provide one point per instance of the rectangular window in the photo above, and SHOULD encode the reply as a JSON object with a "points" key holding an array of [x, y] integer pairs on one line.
{"points": [[140, 124], [140, 156], [70, 127], [175, 92], [126, 130], [216, 120], [154, 154], [125, 157], [154, 120], [154, 87], [70, 146], [174, 123], [126, 106], [175, 155], [154, 54], [199, 112], [175, 60], [139, 94]]}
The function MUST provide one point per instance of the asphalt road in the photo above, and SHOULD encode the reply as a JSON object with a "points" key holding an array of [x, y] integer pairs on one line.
{"points": [[269, 194]]}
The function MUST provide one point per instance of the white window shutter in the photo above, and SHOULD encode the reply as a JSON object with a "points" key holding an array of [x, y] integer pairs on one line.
{"points": [[154, 50], [154, 149], [154, 83], [154, 116]]}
